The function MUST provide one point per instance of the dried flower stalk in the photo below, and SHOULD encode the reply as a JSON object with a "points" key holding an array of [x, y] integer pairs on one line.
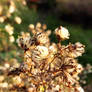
{"points": [[48, 67]]}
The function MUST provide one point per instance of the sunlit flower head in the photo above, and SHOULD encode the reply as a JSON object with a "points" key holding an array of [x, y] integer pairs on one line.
{"points": [[39, 53], [62, 33], [42, 38]]}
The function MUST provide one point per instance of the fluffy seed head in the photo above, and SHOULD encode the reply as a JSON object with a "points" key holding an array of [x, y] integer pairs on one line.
{"points": [[39, 53], [62, 33]]}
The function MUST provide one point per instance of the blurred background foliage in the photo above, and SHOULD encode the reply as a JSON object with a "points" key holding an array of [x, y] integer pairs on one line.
{"points": [[75, 15]]}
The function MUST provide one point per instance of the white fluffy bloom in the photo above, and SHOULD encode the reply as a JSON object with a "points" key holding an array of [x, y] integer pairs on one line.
{"points": [[62, 33], [39, 53]]}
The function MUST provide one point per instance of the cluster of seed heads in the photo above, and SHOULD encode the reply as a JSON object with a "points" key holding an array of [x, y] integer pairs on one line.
{"points": [[48, 66]]}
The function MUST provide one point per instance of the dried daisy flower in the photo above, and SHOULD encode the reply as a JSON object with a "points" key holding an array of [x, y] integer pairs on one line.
{"points": [[47, 66], [62, 33]]}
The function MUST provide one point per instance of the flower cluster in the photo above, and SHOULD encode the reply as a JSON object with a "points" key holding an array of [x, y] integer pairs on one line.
{"points": [[47, 66]]}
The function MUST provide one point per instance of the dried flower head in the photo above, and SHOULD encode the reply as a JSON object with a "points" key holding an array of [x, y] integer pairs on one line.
{"points": [[62, 33], [40, 53], [49, 66], [42, 38], [76, 50]]}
